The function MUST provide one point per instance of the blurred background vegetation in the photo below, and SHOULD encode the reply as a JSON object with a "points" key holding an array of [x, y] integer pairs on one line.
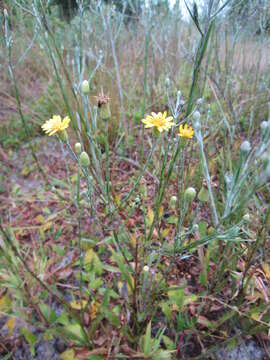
{"points": [[236, 70]]}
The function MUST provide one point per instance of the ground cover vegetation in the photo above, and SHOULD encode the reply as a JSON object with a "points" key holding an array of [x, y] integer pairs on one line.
{"points": [[134, 180]]}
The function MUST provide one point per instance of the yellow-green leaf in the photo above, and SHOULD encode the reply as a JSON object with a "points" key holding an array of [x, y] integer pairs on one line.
{"points": [[68, 355]]}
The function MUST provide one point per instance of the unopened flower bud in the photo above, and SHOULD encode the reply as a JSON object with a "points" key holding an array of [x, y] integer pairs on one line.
{"points": [[196, 120], [196, 116], [195, 227], [5, 13], [84, 159], [190, 194], [146, 268], [245, 147], [210, 230], [264, 125], [137, 200], [85, 87], [246, 217], [228, 179], [78, 148], [200, 101], [203, 195], [167, 82], [173, 201], [105, 112]]}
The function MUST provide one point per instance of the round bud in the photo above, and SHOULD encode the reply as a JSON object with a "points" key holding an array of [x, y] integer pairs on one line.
{"points": [[246, 217], [173, 201], [78, 148], [264, 125], [137, 199], [245, 147], [228, 179], [195, 227], [196, 120], [200, 101], [84, 159], [196, 116], [146, 268], [203, 195], [85, 87], [210, 230], [167, 82], [190, 194]]}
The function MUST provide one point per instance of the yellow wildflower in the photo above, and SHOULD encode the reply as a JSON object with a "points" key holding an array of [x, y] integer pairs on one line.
{"points": [[55, 125], [160, 121], [94, 308], [78, 305], [185, 131]]}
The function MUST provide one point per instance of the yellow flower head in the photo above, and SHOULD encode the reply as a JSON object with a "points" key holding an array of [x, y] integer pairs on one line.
{"points": [[55, 125], [186, 132], [160, 121]]}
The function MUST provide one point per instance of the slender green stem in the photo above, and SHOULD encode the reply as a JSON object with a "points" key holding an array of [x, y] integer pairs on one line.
{"points": [[198, 135], [127, 197]]}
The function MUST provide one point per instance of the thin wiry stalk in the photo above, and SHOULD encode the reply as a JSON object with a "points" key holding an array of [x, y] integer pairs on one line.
{"points": [[198, 135]]}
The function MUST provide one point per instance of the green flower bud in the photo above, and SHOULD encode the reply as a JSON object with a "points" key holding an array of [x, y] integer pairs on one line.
{"points": [[264, 125], [195, 227], [264, 128], [210, 230], [63, 135], [203, 195], [84, 159], [196, 120], [137, 200], [200, 101], [167, 83], [105, 112], [196, 116], [173, 201], [78, 148], [245, 147], [190, 194], [85, 87], [246, 217]]}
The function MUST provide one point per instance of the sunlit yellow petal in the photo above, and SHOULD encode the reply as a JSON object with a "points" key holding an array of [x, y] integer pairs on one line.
{"points": [[55, 125]]}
